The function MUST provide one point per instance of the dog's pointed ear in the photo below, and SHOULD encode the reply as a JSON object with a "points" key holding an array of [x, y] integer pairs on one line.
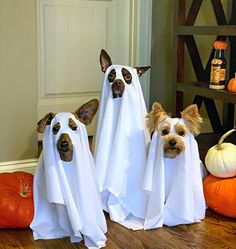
{"points": [[155, 117], [46, 120], [105, 60], [86, 112], [192, 119], [142, 70]]}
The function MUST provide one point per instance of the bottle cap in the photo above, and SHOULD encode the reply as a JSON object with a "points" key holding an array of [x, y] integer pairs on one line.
{"points": [[220, 44]]}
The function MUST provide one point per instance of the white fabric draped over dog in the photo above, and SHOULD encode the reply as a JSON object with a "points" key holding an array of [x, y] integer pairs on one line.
{"points": [[175, 185], [120, 151], [66, 197]]}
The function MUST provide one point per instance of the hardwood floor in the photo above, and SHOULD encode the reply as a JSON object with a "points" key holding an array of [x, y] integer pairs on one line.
{"points": [[214, 232]]}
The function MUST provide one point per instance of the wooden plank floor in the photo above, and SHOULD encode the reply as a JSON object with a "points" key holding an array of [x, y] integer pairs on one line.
{"points": [[214, 232]]}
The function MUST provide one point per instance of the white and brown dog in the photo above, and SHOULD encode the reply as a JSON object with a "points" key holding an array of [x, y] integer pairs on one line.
{"points": [[66, 197], [119, 77], [173, 174], [120, 144]]}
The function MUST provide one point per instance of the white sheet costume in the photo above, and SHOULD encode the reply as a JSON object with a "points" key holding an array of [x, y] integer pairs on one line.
{"points": [[120, 151], [175, 185], [66, 197]]}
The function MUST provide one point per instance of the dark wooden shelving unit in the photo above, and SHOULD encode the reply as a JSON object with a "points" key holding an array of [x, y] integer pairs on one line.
{"points": [[202, 89], [223, 30], [184, 38]]}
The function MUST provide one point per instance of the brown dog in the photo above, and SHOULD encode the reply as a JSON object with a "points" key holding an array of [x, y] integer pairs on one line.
{"points": [[118, 83], [64, 144]]}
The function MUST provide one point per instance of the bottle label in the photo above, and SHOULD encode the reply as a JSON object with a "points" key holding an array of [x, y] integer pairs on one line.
{"points": [[222, 74], [215, 72]]}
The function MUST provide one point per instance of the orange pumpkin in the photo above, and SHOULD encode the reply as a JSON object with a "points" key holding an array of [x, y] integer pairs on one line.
{"points": [[16, 200], [220, 195], [218, 44], [232, 85]]}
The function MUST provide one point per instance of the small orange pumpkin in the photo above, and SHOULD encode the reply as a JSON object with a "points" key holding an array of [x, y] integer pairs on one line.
{"points": [[218, 44], [220, 195], [232, 85]]}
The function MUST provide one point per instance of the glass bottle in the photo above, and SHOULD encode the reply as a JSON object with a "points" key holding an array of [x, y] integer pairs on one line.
{"points": [[218, 66]]}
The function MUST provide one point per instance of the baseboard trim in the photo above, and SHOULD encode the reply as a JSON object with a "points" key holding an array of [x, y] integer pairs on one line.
{"points": [[28, 165]]}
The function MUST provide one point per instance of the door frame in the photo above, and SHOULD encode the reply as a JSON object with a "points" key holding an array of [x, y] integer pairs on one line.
{"points": [[140, 43]]}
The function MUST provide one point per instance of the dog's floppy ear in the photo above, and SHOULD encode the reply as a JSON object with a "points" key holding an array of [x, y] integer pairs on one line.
{"points": [[46, 120], [155, 116], [192, 119], [87, 111], [105, 60], [142, 70]]}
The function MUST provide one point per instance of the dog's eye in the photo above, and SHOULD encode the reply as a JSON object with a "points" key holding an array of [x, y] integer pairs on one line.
{"points": [[164, 132], [112, 75], [181, 133], [74, 128], [56, 128], [128, 79], [72, 124], [127, 75]]}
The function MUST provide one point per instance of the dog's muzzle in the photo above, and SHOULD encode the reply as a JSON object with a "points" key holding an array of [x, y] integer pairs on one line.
{"points": [[65, 147], [118, 88], [173, 146]]}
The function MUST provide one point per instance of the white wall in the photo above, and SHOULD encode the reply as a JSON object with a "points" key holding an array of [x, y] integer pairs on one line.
{"points": [[18, 80]]}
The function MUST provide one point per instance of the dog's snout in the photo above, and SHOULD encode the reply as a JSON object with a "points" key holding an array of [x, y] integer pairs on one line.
{"points": [[172, 142], [118, 88], [65, 147]]}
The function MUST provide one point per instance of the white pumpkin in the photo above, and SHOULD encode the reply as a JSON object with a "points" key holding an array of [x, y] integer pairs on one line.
{"points": [[220, 159]]}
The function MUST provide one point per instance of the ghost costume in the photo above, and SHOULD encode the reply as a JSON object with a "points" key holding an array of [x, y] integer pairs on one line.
{"points": [[66, 197], [120, 151], [175, 185]]}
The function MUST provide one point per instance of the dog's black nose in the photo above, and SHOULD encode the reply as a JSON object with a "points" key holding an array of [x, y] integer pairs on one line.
{"points": [[172, 143], [64, 144], [119, 82]]}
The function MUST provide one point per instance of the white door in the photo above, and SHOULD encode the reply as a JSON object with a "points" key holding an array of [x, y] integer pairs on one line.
{"points": [[71, 34]]}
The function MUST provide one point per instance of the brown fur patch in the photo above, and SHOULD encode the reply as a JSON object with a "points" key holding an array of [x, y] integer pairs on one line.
{"points": [[192, 119], [155, 117], [126, 75], [181, 129], [165, 128], [112, 75], [46, 120], [105, 60], [142, 70], [87, 111], [56, 128], [72, 124]]}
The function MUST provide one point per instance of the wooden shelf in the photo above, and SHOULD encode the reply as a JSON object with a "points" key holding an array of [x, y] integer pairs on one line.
{"points": [[223, 30], [184, 38], [202, 89]]}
